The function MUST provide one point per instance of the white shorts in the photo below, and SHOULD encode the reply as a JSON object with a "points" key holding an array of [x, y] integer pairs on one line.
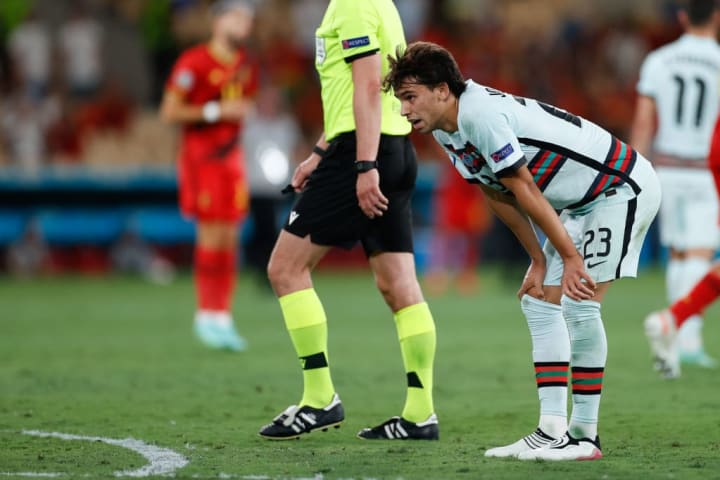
{"points": [[609, 231], [689, 209]]}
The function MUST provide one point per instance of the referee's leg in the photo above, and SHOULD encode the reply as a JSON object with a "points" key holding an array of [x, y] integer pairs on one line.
{"points": [[396, 279], [291, 263]]}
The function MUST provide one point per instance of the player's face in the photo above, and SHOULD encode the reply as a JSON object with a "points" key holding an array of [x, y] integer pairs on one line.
{"points": [[421, 106], [236, 24]]}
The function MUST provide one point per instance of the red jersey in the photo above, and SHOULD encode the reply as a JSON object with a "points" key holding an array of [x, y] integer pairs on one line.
{"points": [[714, 154], [200, 77]]}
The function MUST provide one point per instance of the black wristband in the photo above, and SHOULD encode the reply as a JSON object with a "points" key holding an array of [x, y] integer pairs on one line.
{"points": [[362, 166], [319, 151]]}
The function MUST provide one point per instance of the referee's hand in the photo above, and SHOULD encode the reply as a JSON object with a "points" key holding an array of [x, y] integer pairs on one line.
{"points": [[303, 171], [371, 200]]}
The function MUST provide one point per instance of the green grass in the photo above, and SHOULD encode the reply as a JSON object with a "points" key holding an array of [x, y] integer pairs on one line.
{"points": [[115, 357]]}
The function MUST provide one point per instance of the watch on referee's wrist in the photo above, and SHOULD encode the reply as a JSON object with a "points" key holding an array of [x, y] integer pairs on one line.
{"points": [[362, 166], [317, 149]]}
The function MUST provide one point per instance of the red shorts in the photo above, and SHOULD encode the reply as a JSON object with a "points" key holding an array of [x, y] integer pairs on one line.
{"points": [[214, 189]]}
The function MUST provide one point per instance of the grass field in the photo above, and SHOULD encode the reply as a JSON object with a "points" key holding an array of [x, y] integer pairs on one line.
{"points": [[115, 358]]}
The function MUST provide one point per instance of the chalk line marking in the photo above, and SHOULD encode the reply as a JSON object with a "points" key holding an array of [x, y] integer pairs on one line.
{"points": [[31, 474], [163, 461]]}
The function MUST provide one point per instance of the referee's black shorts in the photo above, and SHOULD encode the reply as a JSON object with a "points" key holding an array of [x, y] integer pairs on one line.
{"points": [[328, 209]]}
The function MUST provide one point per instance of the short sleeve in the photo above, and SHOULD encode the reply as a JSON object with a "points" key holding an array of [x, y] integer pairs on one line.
{"points": [[183, 77], [357, 24], [646, 84], [492, 135]]}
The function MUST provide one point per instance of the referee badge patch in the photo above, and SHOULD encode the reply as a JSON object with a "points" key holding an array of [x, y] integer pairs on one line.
{"points": [[356, 42]]}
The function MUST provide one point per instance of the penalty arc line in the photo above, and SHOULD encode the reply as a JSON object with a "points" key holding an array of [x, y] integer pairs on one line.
{"points": [[163, 461]]}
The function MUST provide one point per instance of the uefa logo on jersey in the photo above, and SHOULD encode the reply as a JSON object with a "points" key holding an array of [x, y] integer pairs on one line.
{"points": [[502, 154], [469, 156]]}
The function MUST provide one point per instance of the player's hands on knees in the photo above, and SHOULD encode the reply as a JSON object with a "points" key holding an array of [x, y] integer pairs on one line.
{"points": [[533, 281], [233, 110], [576, 283], [371, 200]]}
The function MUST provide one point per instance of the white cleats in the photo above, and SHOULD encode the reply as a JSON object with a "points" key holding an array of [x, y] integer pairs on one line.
{"points": [[566, 448], [536, 439], [661, 333]]}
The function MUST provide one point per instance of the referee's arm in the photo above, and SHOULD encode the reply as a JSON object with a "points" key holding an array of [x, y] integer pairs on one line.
{"points": [[367, 110]]}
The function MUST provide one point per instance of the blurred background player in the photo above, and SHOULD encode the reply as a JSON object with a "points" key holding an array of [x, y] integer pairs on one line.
{"points": [[676, 109], [271, 142], [662, 327], [208, 93], [460, 220]]}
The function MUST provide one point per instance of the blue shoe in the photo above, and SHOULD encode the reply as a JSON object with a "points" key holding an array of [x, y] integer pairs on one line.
{"points": [[230, 339], [218, 336], [207, 333], [699, 358]]}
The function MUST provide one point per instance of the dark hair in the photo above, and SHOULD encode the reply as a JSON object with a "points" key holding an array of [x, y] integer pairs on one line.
{"points": [[424, 63], [700, 11]]}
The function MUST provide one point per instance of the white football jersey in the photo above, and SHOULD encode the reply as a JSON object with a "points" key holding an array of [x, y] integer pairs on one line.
{"points": [[572, 160], [682, 77]]}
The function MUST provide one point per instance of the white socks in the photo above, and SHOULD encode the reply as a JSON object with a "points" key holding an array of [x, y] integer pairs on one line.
{"points": [[690, 334], [589, 354], [220, 318], [551, 356]]}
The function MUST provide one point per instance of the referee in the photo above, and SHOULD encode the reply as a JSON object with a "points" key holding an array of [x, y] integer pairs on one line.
{"points": [[356, 186]]}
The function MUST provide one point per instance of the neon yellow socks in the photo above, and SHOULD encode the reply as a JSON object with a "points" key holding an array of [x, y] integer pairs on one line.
{"points": [[416, 331], [307, 325]]}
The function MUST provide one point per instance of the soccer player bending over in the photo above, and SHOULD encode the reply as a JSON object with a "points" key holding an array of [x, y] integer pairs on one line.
{"points": [[208, 94], [532, 159]]}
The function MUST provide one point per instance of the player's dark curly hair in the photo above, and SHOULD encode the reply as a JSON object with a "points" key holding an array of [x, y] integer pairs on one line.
{"points": [[424, 63], [700, 11]]}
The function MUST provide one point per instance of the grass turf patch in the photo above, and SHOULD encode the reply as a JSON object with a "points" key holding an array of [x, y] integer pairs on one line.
{"points": [[115, 357]]}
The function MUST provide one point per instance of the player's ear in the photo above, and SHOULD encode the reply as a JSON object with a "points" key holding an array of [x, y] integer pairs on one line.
{"points": [[443, 91]]}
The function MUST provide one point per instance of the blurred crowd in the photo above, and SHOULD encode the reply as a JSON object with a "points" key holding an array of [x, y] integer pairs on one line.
{"points": [[80, 79]]}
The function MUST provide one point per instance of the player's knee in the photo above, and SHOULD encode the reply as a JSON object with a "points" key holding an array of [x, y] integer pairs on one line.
{"points": [[587, 333], [287, 275], [399, 291], [278, 274], [583, 320], [574, 310]]}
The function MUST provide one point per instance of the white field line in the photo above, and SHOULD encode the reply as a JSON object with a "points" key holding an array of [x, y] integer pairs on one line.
{"points": [[32, 474], [163, 461]]}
